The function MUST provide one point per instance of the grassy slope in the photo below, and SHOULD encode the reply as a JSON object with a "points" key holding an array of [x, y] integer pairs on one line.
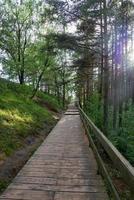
{"points": [[20, 116]]}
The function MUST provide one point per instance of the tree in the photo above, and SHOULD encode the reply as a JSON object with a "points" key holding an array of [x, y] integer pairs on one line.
{"points": [[15, 35]]}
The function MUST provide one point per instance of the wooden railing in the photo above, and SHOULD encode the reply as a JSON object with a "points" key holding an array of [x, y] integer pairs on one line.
{"points": [[119, 162]]}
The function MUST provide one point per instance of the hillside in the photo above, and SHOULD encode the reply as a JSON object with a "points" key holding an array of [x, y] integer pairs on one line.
{"points": [[22, 119]]}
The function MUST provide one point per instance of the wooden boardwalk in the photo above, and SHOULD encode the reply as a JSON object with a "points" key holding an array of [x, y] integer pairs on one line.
{"points": [[63, 167]]}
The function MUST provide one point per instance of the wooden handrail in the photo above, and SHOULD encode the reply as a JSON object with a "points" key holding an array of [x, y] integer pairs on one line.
{"points": [[124, 167]]}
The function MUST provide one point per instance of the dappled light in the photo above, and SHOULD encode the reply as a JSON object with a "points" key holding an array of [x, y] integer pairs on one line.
{"points": [[14, 115]]}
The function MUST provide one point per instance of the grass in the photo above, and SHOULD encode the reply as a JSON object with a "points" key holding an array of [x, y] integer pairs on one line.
{"points": [[51, 101], [20, 116]]}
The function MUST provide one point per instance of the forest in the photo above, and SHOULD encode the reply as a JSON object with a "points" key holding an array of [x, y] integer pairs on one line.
{"points": [[64, 50]]}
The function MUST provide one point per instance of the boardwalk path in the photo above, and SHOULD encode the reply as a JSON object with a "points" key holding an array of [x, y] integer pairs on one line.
{"points": [[63, 167]]}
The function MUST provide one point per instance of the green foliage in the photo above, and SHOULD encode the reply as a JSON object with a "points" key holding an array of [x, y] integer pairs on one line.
{"points": [[122, 137], [16, 24], [128, 120], [124, 143], [94, 109]]}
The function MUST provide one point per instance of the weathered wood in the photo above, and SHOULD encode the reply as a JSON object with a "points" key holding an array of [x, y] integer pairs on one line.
{"points": [[125, 168], [63, 168]]}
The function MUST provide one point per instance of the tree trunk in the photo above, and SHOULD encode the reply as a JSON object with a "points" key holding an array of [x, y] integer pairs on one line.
{"points": [[106, 70], [37, 85], [64, 94], [100, 89], [21, 77], [115, 95]]}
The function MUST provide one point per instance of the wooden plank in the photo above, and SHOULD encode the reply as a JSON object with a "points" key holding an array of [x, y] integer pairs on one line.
{"points": [[84, 181], [68, 113], [27, 195], [35, 180], [80, 196], [59, 181], [57, 188]]}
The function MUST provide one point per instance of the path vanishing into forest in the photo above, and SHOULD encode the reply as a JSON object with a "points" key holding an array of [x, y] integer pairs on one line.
{"points": [[62, 168]]}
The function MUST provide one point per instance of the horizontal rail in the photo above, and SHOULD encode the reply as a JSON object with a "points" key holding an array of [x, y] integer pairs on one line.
{"points": [[124, 167]]}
